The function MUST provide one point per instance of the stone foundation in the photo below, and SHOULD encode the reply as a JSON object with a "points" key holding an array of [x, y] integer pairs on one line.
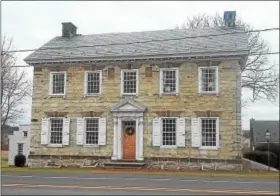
{"points": [[47, 161], [194, 164]]}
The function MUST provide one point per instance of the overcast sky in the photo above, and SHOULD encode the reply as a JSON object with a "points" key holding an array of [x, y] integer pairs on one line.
{"points": [[31, 24]]}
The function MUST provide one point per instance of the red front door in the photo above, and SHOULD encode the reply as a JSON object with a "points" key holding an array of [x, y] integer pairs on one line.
{"points": [[129, 144]]}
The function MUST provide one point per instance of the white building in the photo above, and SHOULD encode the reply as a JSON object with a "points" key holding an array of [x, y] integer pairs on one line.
{"points": [[19, 143]]}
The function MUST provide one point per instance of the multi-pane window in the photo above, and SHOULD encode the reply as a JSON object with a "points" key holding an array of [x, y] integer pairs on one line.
{"points": [[169, 131], [93, 82], [129, 82], [208, 79], [58, 83], [169, 80], [56, 130], [20, 148], [92, 126], [25, 134], [209, 132]]}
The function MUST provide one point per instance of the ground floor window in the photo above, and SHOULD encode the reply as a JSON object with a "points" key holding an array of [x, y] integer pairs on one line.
{"points": [[169, 129], [56, 130], [209, 132], [92, 128]]}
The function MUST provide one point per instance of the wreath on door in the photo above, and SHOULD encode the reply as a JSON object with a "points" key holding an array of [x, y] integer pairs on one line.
{"points": [[130, 130]]}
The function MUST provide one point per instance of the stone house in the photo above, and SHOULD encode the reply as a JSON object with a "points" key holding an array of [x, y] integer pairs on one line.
{"points": [[19, 143], [166, 98]]}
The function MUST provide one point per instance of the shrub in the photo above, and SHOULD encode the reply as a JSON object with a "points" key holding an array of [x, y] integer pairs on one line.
{"points": [[262, 157], [20, 160], [273, 147]]}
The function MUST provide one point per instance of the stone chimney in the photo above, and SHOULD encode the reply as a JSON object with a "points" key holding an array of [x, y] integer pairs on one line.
{"points": [[229, 18], [68, 29]]}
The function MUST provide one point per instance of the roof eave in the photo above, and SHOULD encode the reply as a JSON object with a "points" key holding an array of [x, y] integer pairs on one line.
{"points": [[243, 55]]}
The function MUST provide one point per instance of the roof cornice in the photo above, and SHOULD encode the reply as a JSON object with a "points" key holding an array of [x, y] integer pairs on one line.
{"points": [[175, 57]]}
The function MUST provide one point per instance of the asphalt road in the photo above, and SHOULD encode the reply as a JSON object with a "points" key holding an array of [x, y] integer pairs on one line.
{"points": [[35, 183]]}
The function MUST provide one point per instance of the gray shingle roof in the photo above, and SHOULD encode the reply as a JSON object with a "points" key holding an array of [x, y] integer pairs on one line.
{"points": [[230, 44], [8, 129], [260, 127]]}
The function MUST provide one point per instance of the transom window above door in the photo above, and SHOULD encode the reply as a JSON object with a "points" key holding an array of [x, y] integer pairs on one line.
{"points": [[93, 81], [129, 82]]}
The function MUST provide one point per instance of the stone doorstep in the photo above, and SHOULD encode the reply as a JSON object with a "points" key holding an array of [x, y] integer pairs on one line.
{"points": [[124, 165], [127, 161]]}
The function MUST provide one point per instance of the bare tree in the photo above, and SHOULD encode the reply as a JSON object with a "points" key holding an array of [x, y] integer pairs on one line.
{"points": [[15, 86], [257, 76]]}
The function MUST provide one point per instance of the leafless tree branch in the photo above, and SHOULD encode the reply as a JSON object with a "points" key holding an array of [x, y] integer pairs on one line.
{"points": [[257, 77], [15, 86]]}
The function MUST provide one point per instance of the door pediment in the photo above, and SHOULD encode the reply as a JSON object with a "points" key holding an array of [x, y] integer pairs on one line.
{"points": [[128, 106]]}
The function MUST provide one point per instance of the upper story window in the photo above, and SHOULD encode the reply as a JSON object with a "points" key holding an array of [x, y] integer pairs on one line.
{"points": [[129, 82], [57, 83], [93, 82], [208, 79], [25, 134], [169, 81]]}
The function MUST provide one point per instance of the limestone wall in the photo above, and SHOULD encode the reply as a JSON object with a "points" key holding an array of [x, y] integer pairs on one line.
{"points": [[187, 102]]}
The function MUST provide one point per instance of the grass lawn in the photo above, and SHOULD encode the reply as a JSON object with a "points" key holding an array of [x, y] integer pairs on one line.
{"points": [[265, 175], [4, 159]]}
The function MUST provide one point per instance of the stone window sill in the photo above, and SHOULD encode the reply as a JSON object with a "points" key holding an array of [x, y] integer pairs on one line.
{"points": [[168, 147], [92, 95], [169, 94], [90, 145], [208, 148], [55, 146], [56, 96], [208, 93]]}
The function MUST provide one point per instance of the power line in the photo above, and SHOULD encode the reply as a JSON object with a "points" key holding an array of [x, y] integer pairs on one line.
{"points": [[252, 54], [147, 41]]}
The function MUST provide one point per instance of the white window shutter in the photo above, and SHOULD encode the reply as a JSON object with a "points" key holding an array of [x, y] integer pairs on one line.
{"points": [[217, 133], [181, 129], [160, 82], [44, 131], [80, 131], [66, 131], [196, 133], [156, 132], [102, 131]]}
